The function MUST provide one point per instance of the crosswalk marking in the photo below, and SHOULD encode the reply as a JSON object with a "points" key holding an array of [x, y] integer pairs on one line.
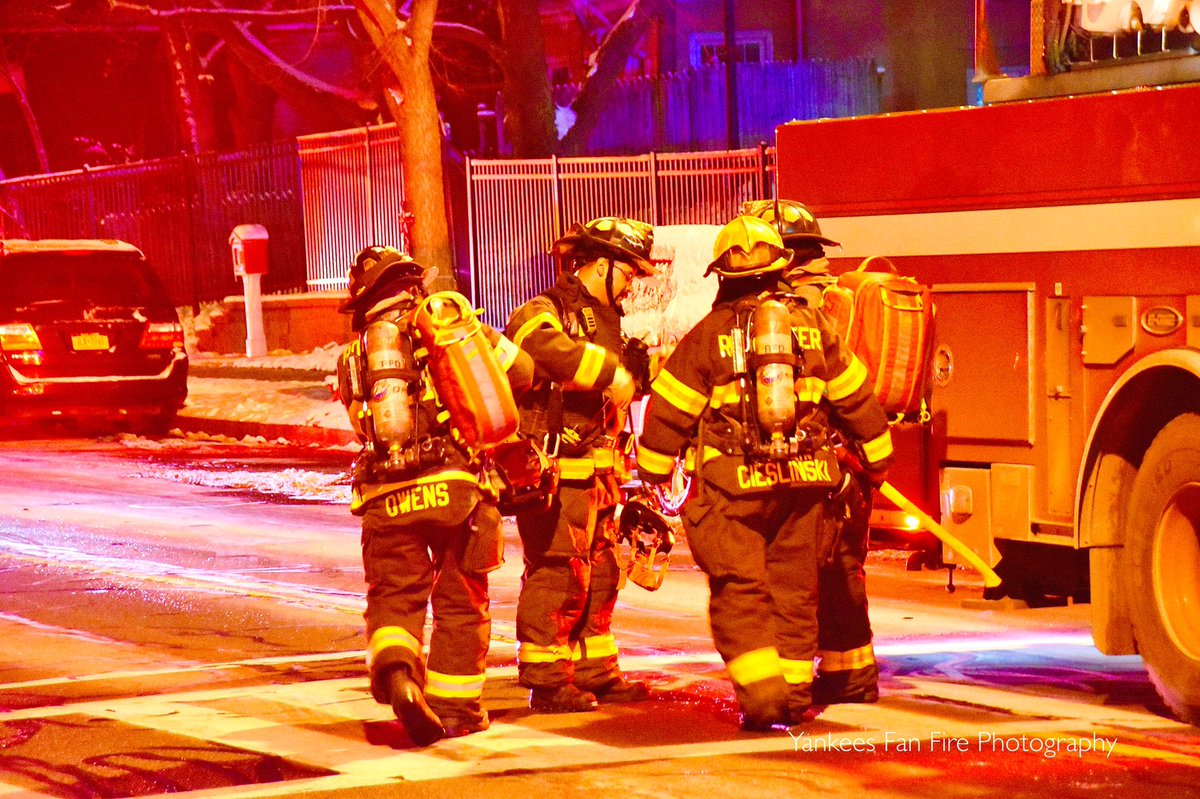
{"points": [[297, 721]]}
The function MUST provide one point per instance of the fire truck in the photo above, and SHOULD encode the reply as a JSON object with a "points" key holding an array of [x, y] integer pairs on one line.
{"points": [[1061, 240]]}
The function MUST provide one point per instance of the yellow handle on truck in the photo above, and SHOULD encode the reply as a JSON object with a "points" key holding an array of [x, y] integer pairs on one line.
{"points": [[990, 578]]}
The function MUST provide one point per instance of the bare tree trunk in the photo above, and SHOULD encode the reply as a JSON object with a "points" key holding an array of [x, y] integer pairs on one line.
{"points": [[195, 125], [529, 103], [405, 51], [608, 63], [10, 76]]}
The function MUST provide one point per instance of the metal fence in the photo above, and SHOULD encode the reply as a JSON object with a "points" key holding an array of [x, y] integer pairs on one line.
{"points": [[517, 208], [685, 111], [353, 196], [324, 197], [179, 211]]}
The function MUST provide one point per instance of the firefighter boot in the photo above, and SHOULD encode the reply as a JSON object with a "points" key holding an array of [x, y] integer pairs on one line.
{"points": [[859, 685], [562, 699], [835, 689], [408, 702], [764, 705], [619, 689], [458, 726]]}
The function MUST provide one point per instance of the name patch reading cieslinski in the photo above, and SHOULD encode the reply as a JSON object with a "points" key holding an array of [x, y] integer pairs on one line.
{"points": [[796, 470]]}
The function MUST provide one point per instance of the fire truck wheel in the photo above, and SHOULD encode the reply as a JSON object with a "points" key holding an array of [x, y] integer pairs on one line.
{"points": [[1163, 544]]}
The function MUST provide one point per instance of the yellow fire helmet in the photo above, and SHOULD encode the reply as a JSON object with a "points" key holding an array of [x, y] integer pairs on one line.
{"points": [[748, 246]]}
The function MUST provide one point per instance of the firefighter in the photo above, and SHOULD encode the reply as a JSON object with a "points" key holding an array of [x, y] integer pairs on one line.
{"points": [[430, 530], [846, 671], [749, 399], [567, 655], [808, 275]]}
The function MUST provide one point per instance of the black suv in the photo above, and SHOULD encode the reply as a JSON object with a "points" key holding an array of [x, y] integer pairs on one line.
{"points": [[88, 333]]}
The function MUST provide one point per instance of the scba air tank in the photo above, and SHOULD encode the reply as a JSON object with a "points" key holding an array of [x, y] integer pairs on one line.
{"points": [[468, 378], [390, 364], [774, 373]]}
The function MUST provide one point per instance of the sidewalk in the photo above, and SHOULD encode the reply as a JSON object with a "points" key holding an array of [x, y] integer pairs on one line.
{"points": [[276, 396]]}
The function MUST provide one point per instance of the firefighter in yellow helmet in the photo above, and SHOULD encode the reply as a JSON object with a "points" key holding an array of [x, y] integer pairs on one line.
{"points": [[567, 655], [749, 398], [847, 670], [808, 274], [430, 528]]}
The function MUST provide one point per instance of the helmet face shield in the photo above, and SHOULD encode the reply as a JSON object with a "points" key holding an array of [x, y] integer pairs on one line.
{"points": [[650, 540]]}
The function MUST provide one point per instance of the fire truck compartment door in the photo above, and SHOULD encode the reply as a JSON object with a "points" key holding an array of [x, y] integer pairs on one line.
{"points": [[1109, 329], [967, 512], [981, 505], [983, 353]]}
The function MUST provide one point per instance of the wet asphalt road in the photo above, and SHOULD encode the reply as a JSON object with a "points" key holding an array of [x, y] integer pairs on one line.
{"points": [[185, 617]]}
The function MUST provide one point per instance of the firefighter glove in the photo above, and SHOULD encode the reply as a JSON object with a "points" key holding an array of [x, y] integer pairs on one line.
{"points": [[637, 360], [876, 474], [620, 390]]}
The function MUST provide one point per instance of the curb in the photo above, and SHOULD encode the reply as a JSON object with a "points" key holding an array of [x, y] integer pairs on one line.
{"points": [[296, 434], [265, 373]]}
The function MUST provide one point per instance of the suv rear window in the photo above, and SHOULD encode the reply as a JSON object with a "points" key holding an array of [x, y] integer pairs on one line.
{"points": [[101, 279]]}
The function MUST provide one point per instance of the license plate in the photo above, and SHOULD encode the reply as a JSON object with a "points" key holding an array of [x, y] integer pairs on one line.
{"points": [[90, 341]]}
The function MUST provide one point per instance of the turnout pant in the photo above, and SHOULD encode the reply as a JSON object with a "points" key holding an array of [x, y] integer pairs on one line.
{"points": [[760, 554], [569, 588], [409, 567], [846, 657]]}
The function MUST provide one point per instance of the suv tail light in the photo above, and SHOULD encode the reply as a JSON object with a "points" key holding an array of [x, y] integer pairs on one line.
{"points": [[162, 336], [21, 343]]}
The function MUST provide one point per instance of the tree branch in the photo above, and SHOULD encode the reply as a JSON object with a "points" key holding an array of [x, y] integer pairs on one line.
{"points": [[9, 76], [420, 27], [287, 79], [607, 65]]}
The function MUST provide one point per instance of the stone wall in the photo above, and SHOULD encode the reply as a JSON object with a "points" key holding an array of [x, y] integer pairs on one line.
{"points": [[291, 322]]}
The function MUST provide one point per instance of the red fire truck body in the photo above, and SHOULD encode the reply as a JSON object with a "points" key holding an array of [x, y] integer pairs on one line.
{"points": [[1061, 238]]}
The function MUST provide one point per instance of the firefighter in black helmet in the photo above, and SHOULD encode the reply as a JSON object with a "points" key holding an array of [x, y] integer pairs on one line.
{"points": [[808, 274], [567, 655], [846, 671], [749, 399], [430, 528]]}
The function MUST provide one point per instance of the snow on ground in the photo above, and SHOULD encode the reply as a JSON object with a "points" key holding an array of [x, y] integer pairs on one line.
{"points": [[303, 484], [304, 403], [321, 359]]}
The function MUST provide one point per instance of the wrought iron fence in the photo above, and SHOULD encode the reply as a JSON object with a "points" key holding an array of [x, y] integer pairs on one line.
{"points": [[324, 197], [179, 211], [517, 208]]}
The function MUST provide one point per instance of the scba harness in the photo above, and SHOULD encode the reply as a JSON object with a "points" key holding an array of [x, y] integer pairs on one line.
{"points": [[434, 350], [780, 430], [383, 382]]}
